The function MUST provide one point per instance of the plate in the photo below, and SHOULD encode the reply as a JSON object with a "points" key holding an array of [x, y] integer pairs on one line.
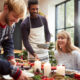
{"points": [[69, 71], [28, 73], [44, 46], [7, 77]]}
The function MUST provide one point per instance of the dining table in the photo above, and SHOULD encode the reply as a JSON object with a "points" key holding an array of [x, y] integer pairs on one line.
{"points": [[29, 68]]}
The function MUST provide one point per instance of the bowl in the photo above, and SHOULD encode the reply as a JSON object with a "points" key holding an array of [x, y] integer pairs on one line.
{"points": [[44, 46]]}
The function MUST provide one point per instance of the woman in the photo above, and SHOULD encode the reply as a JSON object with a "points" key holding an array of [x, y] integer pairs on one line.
{"points": [[66, 54]]}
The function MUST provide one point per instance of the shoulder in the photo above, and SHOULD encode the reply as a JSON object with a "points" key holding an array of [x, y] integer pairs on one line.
{"points": [[75, 52], [25, 22], [55, 52], [42, 17]]}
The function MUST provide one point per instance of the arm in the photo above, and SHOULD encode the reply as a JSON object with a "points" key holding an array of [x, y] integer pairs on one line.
{"points": [[8, 48], [56, 55], [8, 45], [6, 68], [25, 34], [78, 59], [47, 33]]}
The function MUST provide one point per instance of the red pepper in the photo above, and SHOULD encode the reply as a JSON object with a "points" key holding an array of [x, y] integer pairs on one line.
{"points": [[77, 75], [31, 64]]}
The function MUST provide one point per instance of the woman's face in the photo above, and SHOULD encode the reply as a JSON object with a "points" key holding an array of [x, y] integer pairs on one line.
{"points": [[62, 42]]}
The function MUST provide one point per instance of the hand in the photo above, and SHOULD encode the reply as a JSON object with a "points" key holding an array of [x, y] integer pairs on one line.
{"points": [[23, 76], [13, 62], [36, 57], [47, 42]]}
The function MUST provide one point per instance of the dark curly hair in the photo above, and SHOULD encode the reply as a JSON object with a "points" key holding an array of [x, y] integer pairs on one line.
{"points": [[32, 2]]}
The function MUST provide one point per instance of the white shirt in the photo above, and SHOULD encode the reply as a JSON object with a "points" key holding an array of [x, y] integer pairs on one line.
{"points": [[71, 61]]}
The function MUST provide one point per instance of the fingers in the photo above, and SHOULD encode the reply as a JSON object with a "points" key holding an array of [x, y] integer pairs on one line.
{"points": [[12, 61], [36, 58]]}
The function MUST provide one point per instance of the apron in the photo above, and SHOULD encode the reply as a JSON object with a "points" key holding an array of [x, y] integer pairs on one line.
{"points": [[36, 37]]}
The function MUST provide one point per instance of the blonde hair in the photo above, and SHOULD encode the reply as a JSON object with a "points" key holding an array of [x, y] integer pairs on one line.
{"points": [[69, 47], [18, 6]]}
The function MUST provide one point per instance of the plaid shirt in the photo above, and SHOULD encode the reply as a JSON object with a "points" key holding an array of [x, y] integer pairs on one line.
{"points": [[6, 41]]}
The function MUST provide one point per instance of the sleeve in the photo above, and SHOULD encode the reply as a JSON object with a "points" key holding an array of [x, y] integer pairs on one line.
{"points": [[78, 59], [4, 67], [56, 55], [47, 33], [7, 44], [7, 68], [55, 52], [25, 34], [8, 48]]}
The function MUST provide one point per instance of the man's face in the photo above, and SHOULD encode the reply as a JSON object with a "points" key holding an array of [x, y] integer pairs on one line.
{"points": [[11, 18], [33, 10]]}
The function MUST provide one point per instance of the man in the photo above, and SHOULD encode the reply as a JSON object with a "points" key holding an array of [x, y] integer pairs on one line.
{"points": [[12, 12], [34, 32]]}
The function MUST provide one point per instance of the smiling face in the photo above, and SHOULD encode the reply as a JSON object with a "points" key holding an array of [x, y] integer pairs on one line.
{"points": [[13, 11], [11, 18], [33, 10], [62, 42]]}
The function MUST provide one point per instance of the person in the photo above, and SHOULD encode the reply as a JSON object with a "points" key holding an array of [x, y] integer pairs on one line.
{"points": [[35, 31], [67, 54], [6, 68], [13, 11]]}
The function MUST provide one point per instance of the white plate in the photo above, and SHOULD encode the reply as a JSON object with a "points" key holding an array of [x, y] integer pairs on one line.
{"points": [[28, 73], [44, 46], [69, 71], [7, 77]]}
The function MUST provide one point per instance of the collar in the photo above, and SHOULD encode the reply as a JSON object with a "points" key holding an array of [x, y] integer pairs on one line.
{"points": [[2, 26]]}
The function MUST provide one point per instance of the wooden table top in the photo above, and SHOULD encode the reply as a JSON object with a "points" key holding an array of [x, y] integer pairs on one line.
{"points": [[15, 51]]}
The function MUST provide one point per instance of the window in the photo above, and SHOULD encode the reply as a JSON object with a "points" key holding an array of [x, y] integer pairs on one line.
{"points": [[70, 13], [60, 20], [65, 17]]}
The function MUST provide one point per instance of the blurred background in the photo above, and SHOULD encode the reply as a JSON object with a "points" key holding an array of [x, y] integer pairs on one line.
{"points": [[60, 14]]}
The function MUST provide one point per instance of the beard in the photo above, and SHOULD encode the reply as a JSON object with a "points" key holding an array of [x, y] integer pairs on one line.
{"points": [[35, 14], [7, 20]]}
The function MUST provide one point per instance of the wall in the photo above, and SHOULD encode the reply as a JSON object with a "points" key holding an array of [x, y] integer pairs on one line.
{"points": [[51, 21], [44, 5], [48, 8], [1, 4]]}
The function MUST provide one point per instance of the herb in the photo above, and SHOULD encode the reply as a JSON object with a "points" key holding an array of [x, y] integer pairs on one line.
{"points": [[37, 77]]}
